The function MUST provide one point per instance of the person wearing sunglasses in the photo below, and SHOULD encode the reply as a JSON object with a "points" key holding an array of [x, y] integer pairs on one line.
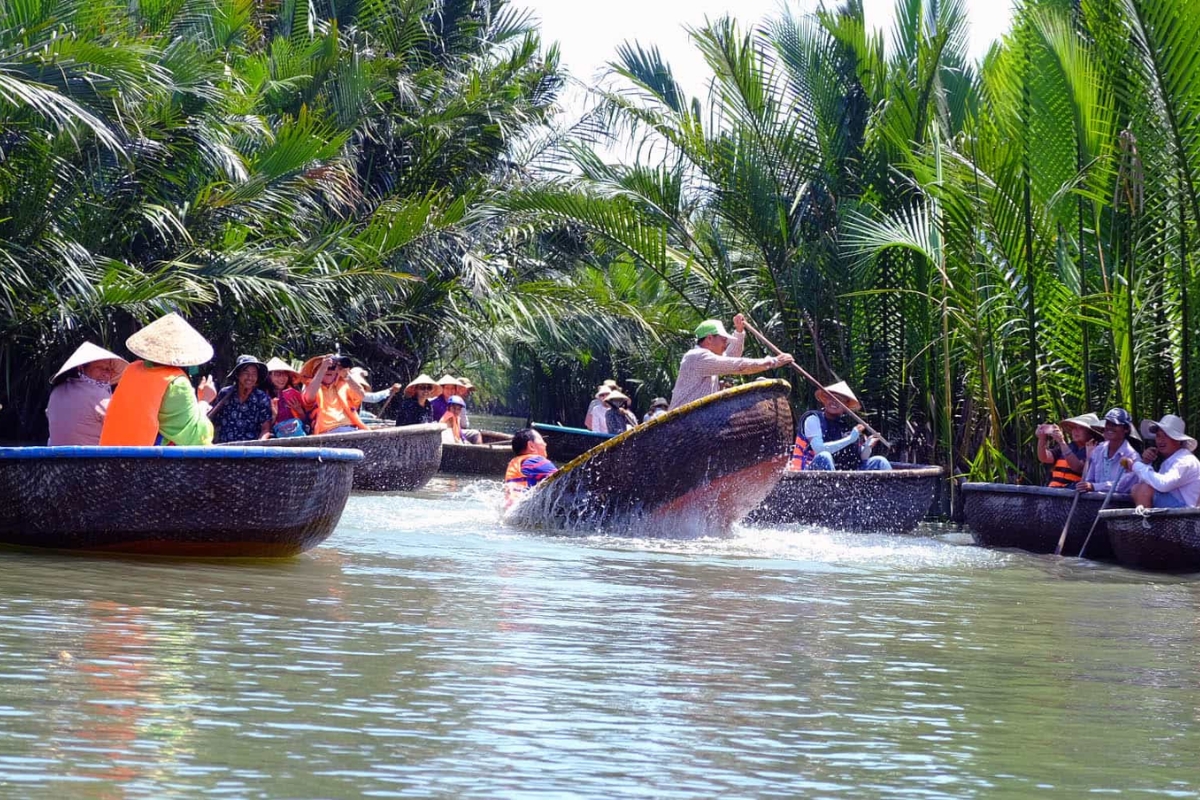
{"points": [[1176, 483]]}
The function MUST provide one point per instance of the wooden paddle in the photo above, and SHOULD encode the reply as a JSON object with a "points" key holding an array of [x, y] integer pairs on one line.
{"points": [[767, 344], [1062, 539], [1096, 521]]}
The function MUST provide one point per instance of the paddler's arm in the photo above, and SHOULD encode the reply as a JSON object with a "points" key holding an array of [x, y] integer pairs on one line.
{"points": [[812, 432], [183, 419], [707, 363]]}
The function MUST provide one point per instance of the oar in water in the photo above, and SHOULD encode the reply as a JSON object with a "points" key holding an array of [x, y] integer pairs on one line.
{"points": [[1062, 539], [1096, 521], [767, 344]]}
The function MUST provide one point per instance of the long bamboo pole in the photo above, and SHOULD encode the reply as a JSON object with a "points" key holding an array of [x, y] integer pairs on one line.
{"points": [[767, 344]]}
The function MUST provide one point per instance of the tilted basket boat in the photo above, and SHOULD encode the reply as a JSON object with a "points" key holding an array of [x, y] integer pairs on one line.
{"points": [[174, 501], [693, 471], [883, 501], [567, 444], [489, 459], [1155, 539], [395, 458], [1032, 518]]}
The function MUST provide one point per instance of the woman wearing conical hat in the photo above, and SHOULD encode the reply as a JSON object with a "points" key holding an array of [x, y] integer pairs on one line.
{"points": [[154, 403], [417, 406], [81, 394], [826, 440]]}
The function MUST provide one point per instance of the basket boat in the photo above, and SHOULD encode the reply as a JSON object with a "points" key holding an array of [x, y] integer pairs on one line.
{"points": [[567, 444], [879, 501], [395, 458], [173, 501], [692, 471], [489, 460], [1032, 518], [1155, 539]]}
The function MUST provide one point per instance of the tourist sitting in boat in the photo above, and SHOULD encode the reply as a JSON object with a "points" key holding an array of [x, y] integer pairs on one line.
{"points": [[618, 418], [471, 435], [825, 439], [1176, 483], [81, 393], [450, 387], [595, 419], [452, 419], [243, 411], [415, 409], [529, 466], [658, 407], [330, 399], [1104, 460], [154, 402], [1067, 458], [717, 353], [287, 402]]}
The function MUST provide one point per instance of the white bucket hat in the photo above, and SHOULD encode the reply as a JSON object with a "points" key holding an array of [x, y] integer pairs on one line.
{"points": [[1172, 426], [170, 341], [1089, 422], [88, 353], [841, 390]]}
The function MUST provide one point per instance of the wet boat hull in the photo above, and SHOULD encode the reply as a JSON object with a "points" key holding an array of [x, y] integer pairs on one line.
{"points": [[564, 445], [1032, 517], [1155, 540], [487, 460], [395, 458]]}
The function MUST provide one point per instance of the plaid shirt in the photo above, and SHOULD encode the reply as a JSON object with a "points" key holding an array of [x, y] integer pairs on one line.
{"points": [[700, 370]]}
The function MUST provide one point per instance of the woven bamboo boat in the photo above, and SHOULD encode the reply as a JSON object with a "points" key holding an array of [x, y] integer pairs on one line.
{"points": [[567, 444], [1032, 518], [1155, 539], [395, 458], [173, 501], [489, 459], [693, 471], [867, 501]]}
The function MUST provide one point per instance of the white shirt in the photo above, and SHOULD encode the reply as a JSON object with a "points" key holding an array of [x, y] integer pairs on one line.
{"points": [[1178, 477], [596, 422], [816, 440]]}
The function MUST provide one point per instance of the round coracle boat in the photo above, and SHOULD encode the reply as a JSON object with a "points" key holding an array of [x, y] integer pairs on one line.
{"points": [[567, 444], [173, 501], [1155, 539], [864, 501], [694, 471], [489, 459], [395, 458], [1032, 518]]}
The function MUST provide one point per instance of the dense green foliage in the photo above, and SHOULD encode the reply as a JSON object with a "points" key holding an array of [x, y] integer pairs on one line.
{"points": [[976, 247], [291, 175]]}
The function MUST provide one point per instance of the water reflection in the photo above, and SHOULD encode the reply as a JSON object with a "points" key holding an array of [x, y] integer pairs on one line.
{"points": [[429, 651]]}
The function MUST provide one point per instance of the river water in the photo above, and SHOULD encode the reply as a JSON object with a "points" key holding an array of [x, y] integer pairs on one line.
{"points": [[426, 651]]}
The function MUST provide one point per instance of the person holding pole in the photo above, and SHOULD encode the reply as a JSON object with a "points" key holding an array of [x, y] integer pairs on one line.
{"points": [[717, 353], [825, 440]]}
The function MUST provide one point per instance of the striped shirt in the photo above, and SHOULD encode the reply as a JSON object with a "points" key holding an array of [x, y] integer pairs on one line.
{"points": [[700, 370]]}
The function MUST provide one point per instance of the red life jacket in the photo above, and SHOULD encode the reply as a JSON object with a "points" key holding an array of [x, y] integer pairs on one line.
{"points": [[831, 431]]}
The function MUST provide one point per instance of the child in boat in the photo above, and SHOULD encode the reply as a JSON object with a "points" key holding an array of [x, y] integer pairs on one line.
{"points": [[1068, 458], [452, 419], [529, 466]]}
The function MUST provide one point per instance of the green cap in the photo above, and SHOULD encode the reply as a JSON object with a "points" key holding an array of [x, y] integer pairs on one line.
{"points": [[711, 327]]}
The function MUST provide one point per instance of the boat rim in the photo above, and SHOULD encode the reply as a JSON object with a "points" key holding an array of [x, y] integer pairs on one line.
{"points": [[1150, 512], [1034, 491], [207, 452], [897, 472]]}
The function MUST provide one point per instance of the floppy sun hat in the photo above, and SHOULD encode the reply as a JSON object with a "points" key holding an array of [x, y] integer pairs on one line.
{"points": [[279, 365], [242, 361], [170, 341], [1172, 426], [1089, 422], [422, 380], [88, 353], [841, 390], [603, 392], [711, 327]]}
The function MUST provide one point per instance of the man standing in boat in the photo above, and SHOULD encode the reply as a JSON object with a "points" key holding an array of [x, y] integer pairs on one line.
{"points": [[529, 465], [825, 440], [717, 353]]}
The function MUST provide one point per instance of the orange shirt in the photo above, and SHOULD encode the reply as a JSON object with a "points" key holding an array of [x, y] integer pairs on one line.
{"points": [[333, 409]]}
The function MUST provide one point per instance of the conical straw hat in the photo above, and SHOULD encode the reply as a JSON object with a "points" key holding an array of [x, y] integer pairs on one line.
{"points": [[422, 380], [449, 380], [276, 364], [172, 342], [86, 353], [842, 391]]}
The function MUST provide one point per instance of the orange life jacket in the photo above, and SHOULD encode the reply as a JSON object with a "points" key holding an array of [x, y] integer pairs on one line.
{"points": [[515, 481], [132, 419], [1062, 476], [321, 422], [832, 430]]}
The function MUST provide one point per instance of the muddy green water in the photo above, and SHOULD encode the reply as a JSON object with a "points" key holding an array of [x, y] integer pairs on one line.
{"points": [[425, 651]]}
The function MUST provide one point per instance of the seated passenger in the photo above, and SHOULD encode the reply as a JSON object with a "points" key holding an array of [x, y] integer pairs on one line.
{"points": [[81, 393], [415, 409], [1068, 458], [529, 467], [618, 418], [658, 407], [243, 412], [450, 387], [1104, 460], [594, 420], [452, 419], [464, 391], [154, 402], [1176, 483], [825, 440], [287, 403], [328, 397]]}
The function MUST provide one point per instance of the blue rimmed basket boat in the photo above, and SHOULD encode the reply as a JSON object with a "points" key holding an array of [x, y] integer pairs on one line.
{"points": [[173, 501], [564, 444], [488, 459], [1032, 518], [1155, 539], [863, 501], [395, 458], [693, 471]]}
